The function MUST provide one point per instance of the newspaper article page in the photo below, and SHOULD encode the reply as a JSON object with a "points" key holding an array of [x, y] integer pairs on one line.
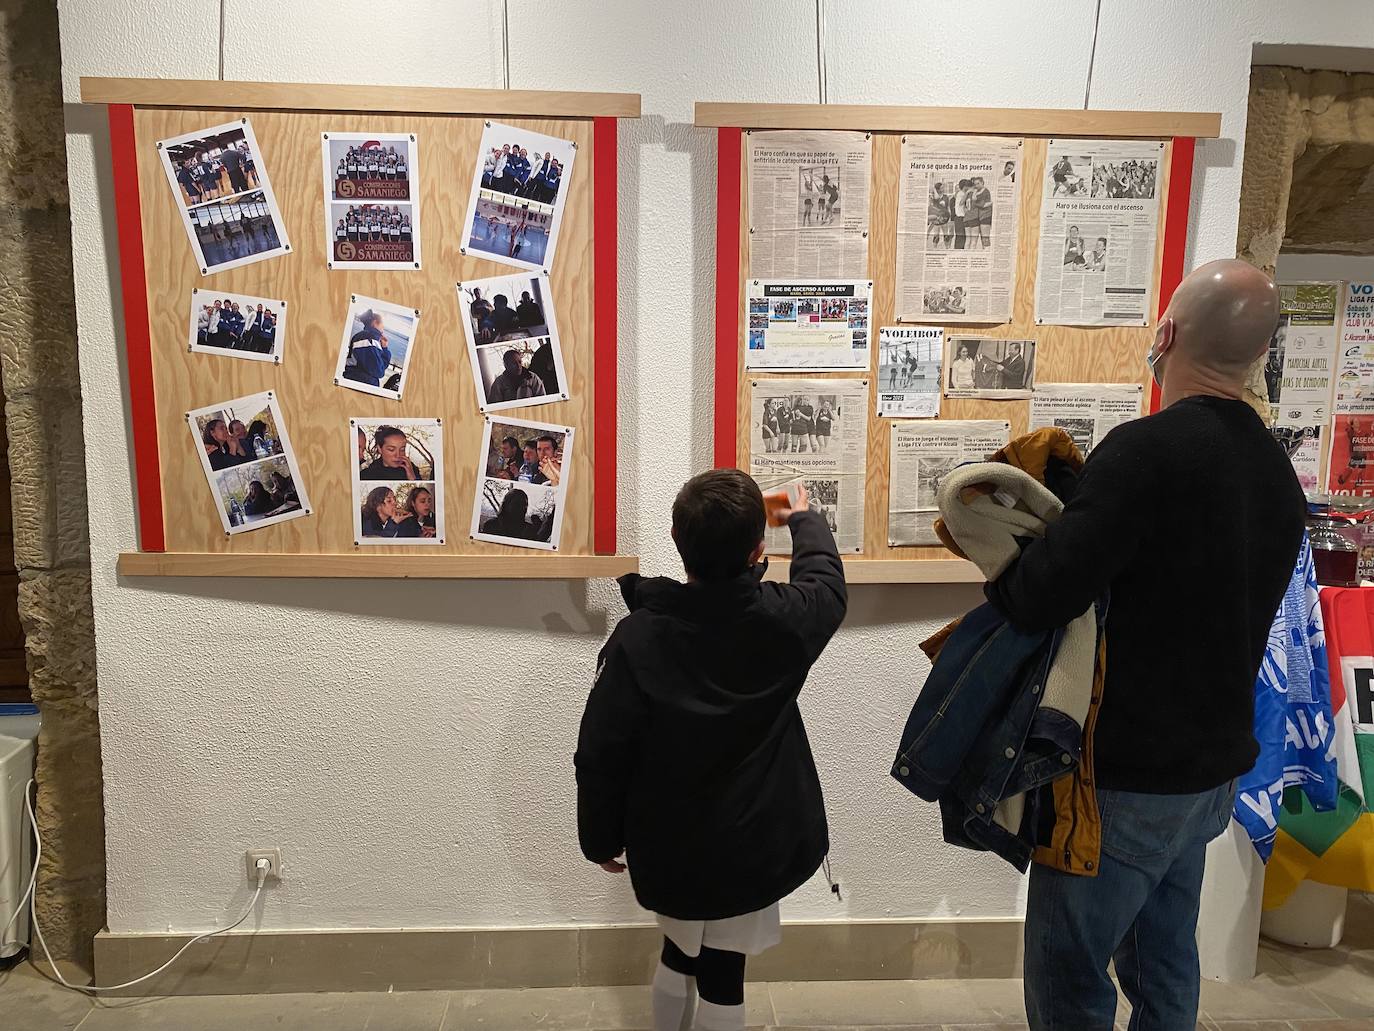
{"points": [[813, 433], [817, 324], [1098, 225], [956, 228], [808, 203], [1085, 411], [1299, 373], [1351, 466], [996, 369], [909, 359], [922, 453]]}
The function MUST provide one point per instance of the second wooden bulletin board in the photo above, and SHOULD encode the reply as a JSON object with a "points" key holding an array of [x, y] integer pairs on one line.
{"points": [[1066, 354]]}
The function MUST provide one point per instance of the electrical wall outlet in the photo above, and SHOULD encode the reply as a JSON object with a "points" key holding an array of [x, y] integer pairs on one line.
{"points": [[273, 857]]}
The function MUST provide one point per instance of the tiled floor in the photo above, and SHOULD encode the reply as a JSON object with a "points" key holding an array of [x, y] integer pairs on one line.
{"points": [[1297, 990]]}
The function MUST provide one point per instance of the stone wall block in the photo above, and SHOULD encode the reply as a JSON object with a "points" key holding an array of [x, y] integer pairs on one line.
{"points": [[48, 481], [59, 629], [37, 312]]}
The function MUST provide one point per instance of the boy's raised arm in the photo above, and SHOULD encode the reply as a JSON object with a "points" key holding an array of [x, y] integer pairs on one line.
{"points": [[818, 574], [607, 750]]}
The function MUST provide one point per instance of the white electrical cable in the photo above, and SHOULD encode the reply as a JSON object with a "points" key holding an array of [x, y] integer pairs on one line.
{"points": [[505, 38], [263, 867], [33, 879], [222, 20], [1092, 56], [822, 85]]}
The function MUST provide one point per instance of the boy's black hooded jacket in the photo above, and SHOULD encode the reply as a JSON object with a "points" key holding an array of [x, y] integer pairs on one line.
{"points": [[692, 758]]}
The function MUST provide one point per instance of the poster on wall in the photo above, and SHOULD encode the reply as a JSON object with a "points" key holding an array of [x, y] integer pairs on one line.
{"points": [[398, 481], [808, 204], [512, 338], [1087, 412], [522, 483], [957, 224], [812, 433], [374, 351], [372, 200], [922, 454], [994, 369], [909, 362], [224, 197], [1299, 373], [248, 462], [1351, 466], [237, 325], [519, 189], [1099, 220], [819, 325], [1355, 360]]}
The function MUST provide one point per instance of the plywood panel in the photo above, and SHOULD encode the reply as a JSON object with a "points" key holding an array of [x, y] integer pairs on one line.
{"points": [[439, 381], [1066, 354]]}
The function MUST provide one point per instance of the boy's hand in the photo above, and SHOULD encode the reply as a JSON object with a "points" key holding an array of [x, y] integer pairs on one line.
{"points": [[612, 866], [802, 505]]}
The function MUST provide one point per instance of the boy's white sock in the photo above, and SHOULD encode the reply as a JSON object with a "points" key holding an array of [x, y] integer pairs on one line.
{"points": [[674, 996], [711, 1017]]}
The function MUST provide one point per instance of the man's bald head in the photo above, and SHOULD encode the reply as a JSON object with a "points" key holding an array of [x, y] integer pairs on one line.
{"points": [[1220, 319]]}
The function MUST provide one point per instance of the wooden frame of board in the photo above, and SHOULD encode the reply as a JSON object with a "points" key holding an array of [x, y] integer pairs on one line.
{"points": [[1116, 354], [179, 534]]}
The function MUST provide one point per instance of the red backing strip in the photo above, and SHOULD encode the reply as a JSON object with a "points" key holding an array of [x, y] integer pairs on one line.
{"points": [[606, 257], [1175, 230], [727, 293], [137, 341]]}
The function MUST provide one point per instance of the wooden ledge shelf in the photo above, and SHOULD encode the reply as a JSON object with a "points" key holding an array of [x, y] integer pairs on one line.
{"points": [[386, 567], [293, 96], [895, 571], [962, 120]]}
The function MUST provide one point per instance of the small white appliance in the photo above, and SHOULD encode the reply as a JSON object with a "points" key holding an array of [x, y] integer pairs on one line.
{"points": [[18, 743]]}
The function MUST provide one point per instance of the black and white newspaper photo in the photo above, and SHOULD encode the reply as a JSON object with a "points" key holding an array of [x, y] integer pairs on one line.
{"points": [[398, 480], [519, 189], [1085, 411], [522, 483], [995, 369], [815, 433], [909, 362], [237, 325], [1299, 373], [248, 462], [513, 345], [808, 203], [375, 349], [922, 453], [372, 200], [1098, 224], [957, 205], [223, 194], [819, 325]]}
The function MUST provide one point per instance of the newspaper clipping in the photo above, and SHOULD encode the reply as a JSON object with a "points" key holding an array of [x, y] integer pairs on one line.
{"points": [[922, 453], [1098, 228], [808, 203], [814, 433], [818, 324], [956, 228], [1351, 468], [1085, 411], [999, 370], [1299, 373], [909, 359]]}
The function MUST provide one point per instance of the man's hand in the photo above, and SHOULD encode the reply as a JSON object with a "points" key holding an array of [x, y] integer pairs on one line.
{"points": [[612, 866], [551, 470], [802, 504]]}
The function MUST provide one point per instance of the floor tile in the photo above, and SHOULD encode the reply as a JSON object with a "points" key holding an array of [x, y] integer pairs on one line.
{"points": [[30, 1000], [987, 1000], [1363, 1024], [572, 1009], [1246, 1025], [335, 1012], [1342, 980], [409, 1011], [1270, 996]]}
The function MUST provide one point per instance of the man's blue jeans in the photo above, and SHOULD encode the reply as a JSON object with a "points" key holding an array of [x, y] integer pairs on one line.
{"points": [[1141, 910]]}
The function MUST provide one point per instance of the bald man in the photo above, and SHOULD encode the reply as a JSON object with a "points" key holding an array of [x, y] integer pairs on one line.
{"points": [[1189, 521]]}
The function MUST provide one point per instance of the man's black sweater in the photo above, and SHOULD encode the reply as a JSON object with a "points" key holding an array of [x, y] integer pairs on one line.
{"points": [[1192, 519]]}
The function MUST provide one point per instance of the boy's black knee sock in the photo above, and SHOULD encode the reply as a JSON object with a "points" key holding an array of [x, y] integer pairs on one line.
{"points": [[720, 977], [676, 960]]}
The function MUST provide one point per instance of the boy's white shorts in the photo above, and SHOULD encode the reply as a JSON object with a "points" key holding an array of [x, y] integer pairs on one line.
{"points": [[749, 933]]}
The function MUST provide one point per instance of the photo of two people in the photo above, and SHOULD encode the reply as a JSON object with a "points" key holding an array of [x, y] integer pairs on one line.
{"points": [[398, 481]]}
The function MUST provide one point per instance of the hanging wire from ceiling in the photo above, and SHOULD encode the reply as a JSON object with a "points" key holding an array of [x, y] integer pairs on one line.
{"points": [[1092, 57], [221, 38], [505, 38], [822, 87]]}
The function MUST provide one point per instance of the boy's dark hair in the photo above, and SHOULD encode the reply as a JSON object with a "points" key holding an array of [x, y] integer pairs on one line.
{"points": [[718, 521]]}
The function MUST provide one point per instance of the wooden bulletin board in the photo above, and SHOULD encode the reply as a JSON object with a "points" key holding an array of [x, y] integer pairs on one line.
{"points": [[1065, 354], [180, 532]]}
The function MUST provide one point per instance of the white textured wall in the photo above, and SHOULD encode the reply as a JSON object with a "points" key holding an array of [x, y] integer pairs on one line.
{"points": [[243, 713]]}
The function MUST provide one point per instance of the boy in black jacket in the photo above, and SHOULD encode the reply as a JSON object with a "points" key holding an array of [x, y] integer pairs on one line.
{"points": [[692, 759]]}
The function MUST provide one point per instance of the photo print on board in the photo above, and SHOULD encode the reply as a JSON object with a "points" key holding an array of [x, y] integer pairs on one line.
{"points": [[372, 200], [513, 344], [248, 462], [374, 353], [237, 325], [398, 481], [519, 189], [989, 368], [225, 199], [522, 483]]}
